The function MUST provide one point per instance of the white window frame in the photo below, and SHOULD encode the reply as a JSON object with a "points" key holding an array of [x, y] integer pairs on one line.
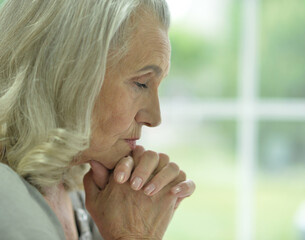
{"points": [[247, 109]]}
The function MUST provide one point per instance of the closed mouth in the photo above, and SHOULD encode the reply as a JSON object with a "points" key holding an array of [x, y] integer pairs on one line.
{"points": [[132, 142]]}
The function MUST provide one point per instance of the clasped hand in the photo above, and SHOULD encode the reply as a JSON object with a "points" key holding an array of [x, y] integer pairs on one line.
{"points": [[137, 200]]}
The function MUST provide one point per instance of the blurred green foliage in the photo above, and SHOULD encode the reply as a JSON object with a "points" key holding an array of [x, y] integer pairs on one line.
{"points": [[201, 66], [190, 51], [282, 37], [207, 68]]}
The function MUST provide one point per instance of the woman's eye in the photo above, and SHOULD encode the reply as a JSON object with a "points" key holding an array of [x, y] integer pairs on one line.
{"points": [[141, 85]]}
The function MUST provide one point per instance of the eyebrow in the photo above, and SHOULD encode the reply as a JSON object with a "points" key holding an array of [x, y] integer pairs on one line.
{"points": [[156, 69]]}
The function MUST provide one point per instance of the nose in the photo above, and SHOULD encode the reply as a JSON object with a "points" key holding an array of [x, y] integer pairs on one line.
{"points": [[150, 114]]}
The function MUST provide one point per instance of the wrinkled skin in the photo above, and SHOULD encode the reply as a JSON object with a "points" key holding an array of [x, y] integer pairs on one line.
{"points": [[128, 101], [121, 213]]}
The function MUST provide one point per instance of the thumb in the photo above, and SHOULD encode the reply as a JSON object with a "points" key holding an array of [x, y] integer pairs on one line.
{"points": [[91, 190], [100, 174]]}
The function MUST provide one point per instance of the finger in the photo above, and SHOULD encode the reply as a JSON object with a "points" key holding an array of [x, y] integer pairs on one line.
{"points": [[123, 169], [163, 161], [179, 200], [184, 189], [100, 174], [147, 164], [91, 189], [168, 188], [137, 153], [185, 194], [162, 178]]}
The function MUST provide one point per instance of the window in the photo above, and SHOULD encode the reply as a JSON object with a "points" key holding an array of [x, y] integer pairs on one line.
{"points": [[234, 117]]}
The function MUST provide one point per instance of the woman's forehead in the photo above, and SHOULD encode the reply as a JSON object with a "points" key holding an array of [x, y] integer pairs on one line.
{"points": [[148, 49], [150, 52]]}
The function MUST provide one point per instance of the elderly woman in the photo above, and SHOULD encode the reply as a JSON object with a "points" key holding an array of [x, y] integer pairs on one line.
{"points": [[79, 79]]}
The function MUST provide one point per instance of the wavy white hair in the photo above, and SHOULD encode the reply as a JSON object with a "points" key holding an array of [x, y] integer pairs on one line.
{"points": [[53, 58]]}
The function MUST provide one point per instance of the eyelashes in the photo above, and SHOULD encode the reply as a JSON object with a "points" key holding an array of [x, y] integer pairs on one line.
{"points": [[142, 82], [141, 85]]}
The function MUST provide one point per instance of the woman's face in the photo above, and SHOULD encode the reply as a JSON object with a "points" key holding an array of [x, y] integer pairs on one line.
{"points": [[129, 96]]}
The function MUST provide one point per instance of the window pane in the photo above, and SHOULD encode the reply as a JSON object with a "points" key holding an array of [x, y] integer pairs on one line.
{"points": [[206, 152], [204, 49], [282, 49], [281, 178]]}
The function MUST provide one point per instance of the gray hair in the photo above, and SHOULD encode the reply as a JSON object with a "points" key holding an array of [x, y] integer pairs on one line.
{"points": [[53, 56]]}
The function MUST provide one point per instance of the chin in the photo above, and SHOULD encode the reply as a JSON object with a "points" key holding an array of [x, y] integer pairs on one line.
{"points": [[107, 157], [111, 160]]}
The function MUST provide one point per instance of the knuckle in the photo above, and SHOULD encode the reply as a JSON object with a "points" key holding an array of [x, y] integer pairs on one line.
{"points": [[150, 154], [174, 166], [182, 175], [160, 179], [139, 148], [163, 158], [141, 172]]}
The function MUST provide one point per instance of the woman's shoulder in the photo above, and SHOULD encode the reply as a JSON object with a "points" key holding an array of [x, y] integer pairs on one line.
{"points": [[24, 212], [9, 178], [12, 187]]}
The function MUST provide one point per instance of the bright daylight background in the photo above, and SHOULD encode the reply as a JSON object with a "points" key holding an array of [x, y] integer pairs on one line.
{"points": [[223, 119], [249, 168]]}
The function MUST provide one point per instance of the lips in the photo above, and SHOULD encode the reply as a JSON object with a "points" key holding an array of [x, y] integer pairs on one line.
{"points": [[132, 143]]}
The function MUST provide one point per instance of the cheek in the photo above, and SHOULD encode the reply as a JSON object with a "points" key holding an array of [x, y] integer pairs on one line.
{"points": [[119, 122], [118, 114]]}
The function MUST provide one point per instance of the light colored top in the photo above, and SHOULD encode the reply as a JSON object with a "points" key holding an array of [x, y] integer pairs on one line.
{"points": [[24, 213]]}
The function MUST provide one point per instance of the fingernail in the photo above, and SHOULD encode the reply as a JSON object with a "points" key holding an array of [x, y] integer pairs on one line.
{"points": [[176, 190], [136, 183], [120, 177], [149, 189]]}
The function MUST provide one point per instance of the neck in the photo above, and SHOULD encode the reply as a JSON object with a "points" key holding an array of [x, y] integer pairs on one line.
{"points": [[58, 199]]}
